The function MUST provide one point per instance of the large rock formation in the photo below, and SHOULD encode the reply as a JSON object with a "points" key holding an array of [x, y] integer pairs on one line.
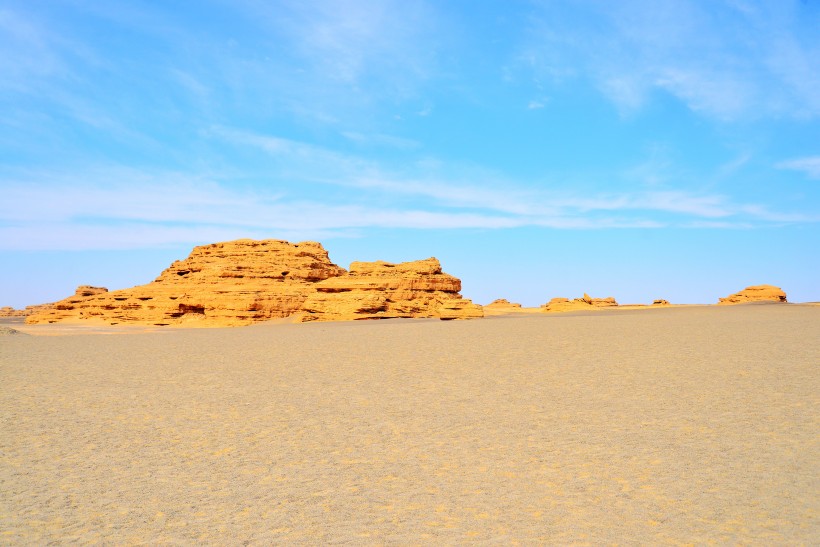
{"points": [[233, 283], [756, 293], [585, 303], [381, 290]]}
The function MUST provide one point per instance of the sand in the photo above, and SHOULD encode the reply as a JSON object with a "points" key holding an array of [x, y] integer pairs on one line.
{"points": [[658, 426]]}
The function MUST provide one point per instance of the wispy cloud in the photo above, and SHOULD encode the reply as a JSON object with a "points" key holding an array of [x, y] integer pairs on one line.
{"points": [[116, 207], [809, 166], [726, 59]]}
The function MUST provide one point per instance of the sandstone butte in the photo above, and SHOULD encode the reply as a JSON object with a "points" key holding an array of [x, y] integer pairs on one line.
{"points": [[756, 293], [585, 303], [247, 281], [221, 284], [381, 290]]}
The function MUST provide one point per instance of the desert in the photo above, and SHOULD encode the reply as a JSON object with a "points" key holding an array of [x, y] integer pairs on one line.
{"points": [[662, 425], [388, 272]]}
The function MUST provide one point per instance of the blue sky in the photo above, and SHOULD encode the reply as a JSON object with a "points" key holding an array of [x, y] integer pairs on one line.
{"points": [[638, 149]]}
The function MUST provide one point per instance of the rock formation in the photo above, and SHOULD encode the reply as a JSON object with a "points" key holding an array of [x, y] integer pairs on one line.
{"points": [[381, 290], [585, 303], [8, 331], [88, 290], [502, 306], [8, 311], [660, 302], [756, 293], [232, 283]]}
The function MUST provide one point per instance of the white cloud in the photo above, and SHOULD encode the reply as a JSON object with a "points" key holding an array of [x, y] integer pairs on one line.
{"points": [[722, 59], [117, 207], [810, 166]]}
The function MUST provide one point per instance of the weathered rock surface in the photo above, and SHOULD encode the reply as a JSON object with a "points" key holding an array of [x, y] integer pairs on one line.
{"points": [[584, 303], [756, 293], [660, 302], [8, 331], [88, 290], [222, 284], [381, 290]]}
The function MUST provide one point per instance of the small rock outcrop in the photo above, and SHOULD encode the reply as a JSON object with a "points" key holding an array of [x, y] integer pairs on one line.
{"points": [[660, 302], [381, 290], [221, 284], [8, 311], [8, 331], [756, 293], [504, 304], [584, 303]]}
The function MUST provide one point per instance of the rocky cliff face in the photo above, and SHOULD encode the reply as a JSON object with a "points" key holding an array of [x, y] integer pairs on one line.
{"points": [[756, 293], [381, 290], [222, 284], [585, 303]]}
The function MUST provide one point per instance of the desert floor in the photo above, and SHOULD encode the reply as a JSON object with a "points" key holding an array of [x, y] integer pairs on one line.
{"points": [[658, 426]]}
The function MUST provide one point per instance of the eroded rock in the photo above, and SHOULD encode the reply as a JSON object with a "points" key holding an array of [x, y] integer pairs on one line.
{"points": [[584, 303], [756, 293], [221, 284], [382, 290]]}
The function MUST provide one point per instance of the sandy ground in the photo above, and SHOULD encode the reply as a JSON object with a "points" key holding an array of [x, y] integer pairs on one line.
{"points": [[659, 426]]}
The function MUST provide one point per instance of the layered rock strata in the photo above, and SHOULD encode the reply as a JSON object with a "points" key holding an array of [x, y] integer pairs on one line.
{"points": [[381, 290], [221, 284], [585, 303], [756, 293]]}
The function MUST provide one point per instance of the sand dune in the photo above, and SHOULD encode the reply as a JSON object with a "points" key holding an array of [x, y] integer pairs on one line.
{"points": [[669, 425]]}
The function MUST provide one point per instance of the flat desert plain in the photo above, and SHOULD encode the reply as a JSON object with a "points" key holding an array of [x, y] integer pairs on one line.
{"points": [[659, 426]]}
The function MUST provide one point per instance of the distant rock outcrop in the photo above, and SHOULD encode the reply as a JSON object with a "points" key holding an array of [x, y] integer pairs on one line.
{"points": [[221, 284], [585, 303], [381, 290], [756, 293], [660, 302], [503, 305], [8, 311]]}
